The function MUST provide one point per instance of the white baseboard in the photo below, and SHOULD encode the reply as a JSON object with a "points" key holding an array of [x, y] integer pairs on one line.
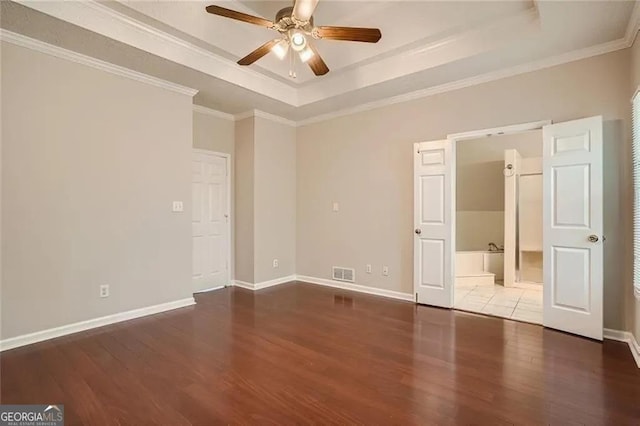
{"points": [[243, 284], [206, 290], [39, 336], [264, 284], [359, 288], [628, 338]]}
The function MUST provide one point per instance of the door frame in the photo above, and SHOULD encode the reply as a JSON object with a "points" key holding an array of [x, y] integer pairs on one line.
{"points": [[227, 157], [476, 134]]}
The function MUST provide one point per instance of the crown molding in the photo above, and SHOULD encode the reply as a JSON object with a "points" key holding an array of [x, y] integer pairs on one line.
{"points": [[243, 115], [213, 112], [553, 61], [101, 19], [266, 116], [633, 26], [58, 52], [427, 56], [275, 118]]}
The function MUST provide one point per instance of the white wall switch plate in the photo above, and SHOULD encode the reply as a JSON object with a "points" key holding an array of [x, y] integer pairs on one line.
{"points": [[275, 263], [178, 206], [336, 206], [104, 290], [368, 269], [385, 271]]}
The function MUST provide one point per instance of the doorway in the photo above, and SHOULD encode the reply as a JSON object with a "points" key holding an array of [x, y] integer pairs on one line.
{"points": [[210, 221], [498, 259], [572, 222]]}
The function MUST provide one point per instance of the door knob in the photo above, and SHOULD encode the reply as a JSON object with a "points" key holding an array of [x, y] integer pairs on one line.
{"points": [[593, 238], [418, 231]]}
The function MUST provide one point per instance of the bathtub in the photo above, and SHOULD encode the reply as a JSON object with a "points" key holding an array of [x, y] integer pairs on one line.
{"points": [[482, 266]]}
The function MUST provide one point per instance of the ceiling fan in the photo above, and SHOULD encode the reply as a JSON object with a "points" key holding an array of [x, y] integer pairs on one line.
{"points": [[295, 24]]}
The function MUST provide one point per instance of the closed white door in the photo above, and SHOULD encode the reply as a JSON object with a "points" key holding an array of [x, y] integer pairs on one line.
{"points": [[433, 223], [572, 227], [210, 221]]}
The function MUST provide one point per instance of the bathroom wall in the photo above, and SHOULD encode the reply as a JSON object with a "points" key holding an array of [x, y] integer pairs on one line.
{"points": [[480, 186]]}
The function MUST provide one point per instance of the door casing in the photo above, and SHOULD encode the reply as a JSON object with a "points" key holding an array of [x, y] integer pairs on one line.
{"points": [[454, 138]]}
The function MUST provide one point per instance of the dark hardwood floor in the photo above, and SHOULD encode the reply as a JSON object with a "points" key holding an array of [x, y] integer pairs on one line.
{"points": [[299, 353]]}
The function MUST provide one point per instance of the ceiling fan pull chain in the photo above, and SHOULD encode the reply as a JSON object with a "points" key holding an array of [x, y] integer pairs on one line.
{"points": [[292, 63]]}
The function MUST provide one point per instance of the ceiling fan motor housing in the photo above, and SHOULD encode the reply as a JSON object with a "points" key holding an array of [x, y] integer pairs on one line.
{"points": [[285, 21]]}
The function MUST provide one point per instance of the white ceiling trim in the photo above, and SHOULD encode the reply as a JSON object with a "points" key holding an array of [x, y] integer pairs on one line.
{"points": [[96, 17], [275, 118], [58, 52], [104, 20], [213, 112], [241, 116], [575, 55], [101, 19], [634, 24], [265, 115], [469, 43]]}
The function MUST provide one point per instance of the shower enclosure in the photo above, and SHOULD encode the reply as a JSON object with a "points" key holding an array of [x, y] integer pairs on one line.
{"points": [[523, 219]]}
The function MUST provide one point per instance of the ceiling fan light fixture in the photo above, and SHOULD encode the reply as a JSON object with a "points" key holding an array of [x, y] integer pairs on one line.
{"points": [[295, 24], [298, 40], [306, 54], [281, 48]]}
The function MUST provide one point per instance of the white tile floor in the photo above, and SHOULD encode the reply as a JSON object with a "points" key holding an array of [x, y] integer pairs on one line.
{"points": [[523, 302]]}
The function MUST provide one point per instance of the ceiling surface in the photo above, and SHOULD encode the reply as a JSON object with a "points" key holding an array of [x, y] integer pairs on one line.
{"points": [[425, 45]]}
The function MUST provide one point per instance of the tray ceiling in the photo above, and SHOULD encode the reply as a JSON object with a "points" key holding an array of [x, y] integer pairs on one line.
{"points": [[425, 45]]}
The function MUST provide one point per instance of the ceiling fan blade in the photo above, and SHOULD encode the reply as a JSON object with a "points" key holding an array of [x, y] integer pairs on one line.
{"points": [[316, 63], [258, 53], [228, 13], [303, 9], [367, 35]]}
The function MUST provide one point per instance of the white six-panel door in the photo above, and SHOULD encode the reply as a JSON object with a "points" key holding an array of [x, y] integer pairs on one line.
{"points": [[433, 223], [210, 219], [572, 227]]}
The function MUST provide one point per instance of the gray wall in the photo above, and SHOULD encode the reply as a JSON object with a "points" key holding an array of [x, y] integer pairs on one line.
{"points": [[244, 199], [275, 199], [265, 199], [213, 133], [365, 162], [91, 164]]}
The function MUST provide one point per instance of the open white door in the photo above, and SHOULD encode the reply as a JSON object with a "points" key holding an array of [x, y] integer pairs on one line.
{"points": [[433, 218], [572, 240]]}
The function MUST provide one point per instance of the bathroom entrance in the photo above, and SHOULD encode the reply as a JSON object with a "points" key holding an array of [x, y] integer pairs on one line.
{"points": [[458, 247], [498, 260]]}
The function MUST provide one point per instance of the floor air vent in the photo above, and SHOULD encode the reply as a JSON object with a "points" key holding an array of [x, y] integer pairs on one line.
{"points": [[344, 274]]}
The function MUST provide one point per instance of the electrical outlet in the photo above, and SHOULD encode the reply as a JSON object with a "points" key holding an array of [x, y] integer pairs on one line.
{"points": [[275, 263], [368, 269], [178, 206], [385, 271], [104, 290], [336, 206]]}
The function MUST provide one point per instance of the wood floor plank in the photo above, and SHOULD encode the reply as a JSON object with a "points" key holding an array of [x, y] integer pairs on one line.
{"points": [[305, 354]]}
